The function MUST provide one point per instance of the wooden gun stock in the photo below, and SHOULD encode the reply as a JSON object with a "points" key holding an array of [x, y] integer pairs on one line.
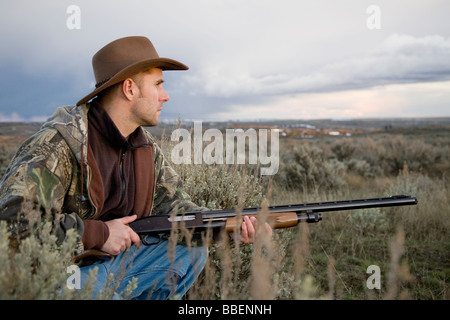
{"points": [[276, 220]]}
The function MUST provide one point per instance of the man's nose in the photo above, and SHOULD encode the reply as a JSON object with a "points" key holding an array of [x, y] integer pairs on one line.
{"points": [[164, 97]]}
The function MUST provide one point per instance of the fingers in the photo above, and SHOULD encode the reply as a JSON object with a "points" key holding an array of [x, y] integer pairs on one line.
{"points": [[268, 229], [127, 219], [248, 229], [121, 236], [134, 237]]}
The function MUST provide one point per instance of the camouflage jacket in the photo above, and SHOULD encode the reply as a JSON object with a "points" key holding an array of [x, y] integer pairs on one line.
{"points": [[50, 175]]}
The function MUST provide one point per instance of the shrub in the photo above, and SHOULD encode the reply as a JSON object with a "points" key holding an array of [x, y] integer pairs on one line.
{"points": [[308, 168], [38, 269]]}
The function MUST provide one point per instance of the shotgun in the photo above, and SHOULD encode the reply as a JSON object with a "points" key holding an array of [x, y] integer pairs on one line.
{"points": [[282, 216]]}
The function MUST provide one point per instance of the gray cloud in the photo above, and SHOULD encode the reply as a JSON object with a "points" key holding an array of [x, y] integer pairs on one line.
{"points": [[398, 59]]}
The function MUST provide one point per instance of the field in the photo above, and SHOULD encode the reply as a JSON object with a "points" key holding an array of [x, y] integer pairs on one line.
{"points": [[326, 160]]}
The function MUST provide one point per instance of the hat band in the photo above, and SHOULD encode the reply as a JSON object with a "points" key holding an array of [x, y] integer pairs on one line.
{"points": [[100, 83]]}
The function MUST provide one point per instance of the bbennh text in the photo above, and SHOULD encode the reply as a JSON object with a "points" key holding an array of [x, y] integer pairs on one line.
{"points": [[226, 309], [213, 153]]}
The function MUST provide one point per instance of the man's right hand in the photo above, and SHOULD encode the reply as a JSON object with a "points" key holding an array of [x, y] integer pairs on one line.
{"points": [[121, 236]]}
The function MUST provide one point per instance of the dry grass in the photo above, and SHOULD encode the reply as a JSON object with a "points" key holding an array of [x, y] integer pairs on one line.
{"points": [[327, 260]]}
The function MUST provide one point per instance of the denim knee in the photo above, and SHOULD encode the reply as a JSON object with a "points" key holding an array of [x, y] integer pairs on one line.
{"points": [[158, 275]]}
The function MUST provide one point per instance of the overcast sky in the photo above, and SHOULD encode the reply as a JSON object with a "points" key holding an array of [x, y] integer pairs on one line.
{"points": [[248, 59]]}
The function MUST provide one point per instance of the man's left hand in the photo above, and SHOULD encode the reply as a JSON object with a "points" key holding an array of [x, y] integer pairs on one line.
{"points": [[248, 229]]}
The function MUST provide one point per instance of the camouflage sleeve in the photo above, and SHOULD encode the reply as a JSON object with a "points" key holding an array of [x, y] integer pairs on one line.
{"points": [[169, 193], [35, 184]]}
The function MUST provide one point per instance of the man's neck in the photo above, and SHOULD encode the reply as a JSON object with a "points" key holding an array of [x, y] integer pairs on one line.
{"points": [[118, 114]]}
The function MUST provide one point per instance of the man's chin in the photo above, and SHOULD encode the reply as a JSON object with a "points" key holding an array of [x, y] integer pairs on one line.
{"points": [[152, 123]]}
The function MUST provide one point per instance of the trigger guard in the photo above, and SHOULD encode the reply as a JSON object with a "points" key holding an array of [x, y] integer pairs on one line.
{"points": [[145, 241]]}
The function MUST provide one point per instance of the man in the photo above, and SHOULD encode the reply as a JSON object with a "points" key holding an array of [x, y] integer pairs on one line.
{"points": [[93, 168]]}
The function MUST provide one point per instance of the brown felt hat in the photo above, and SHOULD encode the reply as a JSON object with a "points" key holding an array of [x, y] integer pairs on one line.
{"points": [[124, 58]]}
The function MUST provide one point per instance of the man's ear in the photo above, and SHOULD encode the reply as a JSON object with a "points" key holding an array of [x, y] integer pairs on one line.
{"points": [[129, 89]]}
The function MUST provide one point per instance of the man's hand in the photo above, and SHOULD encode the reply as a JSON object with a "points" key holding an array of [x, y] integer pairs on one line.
{"points": [[248, 229], [121, 236]]}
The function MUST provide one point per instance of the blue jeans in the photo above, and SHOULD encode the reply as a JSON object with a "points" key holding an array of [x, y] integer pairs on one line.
{"points": [[157, 276]]}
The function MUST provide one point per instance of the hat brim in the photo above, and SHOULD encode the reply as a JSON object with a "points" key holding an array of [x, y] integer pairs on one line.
{"points": [[162, 63]]}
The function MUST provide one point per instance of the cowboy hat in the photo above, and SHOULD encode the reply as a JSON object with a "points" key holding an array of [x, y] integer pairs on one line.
{"points": [[124, 58]]}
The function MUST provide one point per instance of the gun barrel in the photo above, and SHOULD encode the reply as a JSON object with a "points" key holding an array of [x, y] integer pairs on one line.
{"points": [[356, 204], [398, 200]]}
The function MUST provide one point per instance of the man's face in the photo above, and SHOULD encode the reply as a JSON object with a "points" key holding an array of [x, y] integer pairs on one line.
{"points": [[148, 105]]}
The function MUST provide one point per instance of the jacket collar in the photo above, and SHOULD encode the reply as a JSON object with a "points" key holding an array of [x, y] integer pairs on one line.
{"points": [[101, 121]]}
